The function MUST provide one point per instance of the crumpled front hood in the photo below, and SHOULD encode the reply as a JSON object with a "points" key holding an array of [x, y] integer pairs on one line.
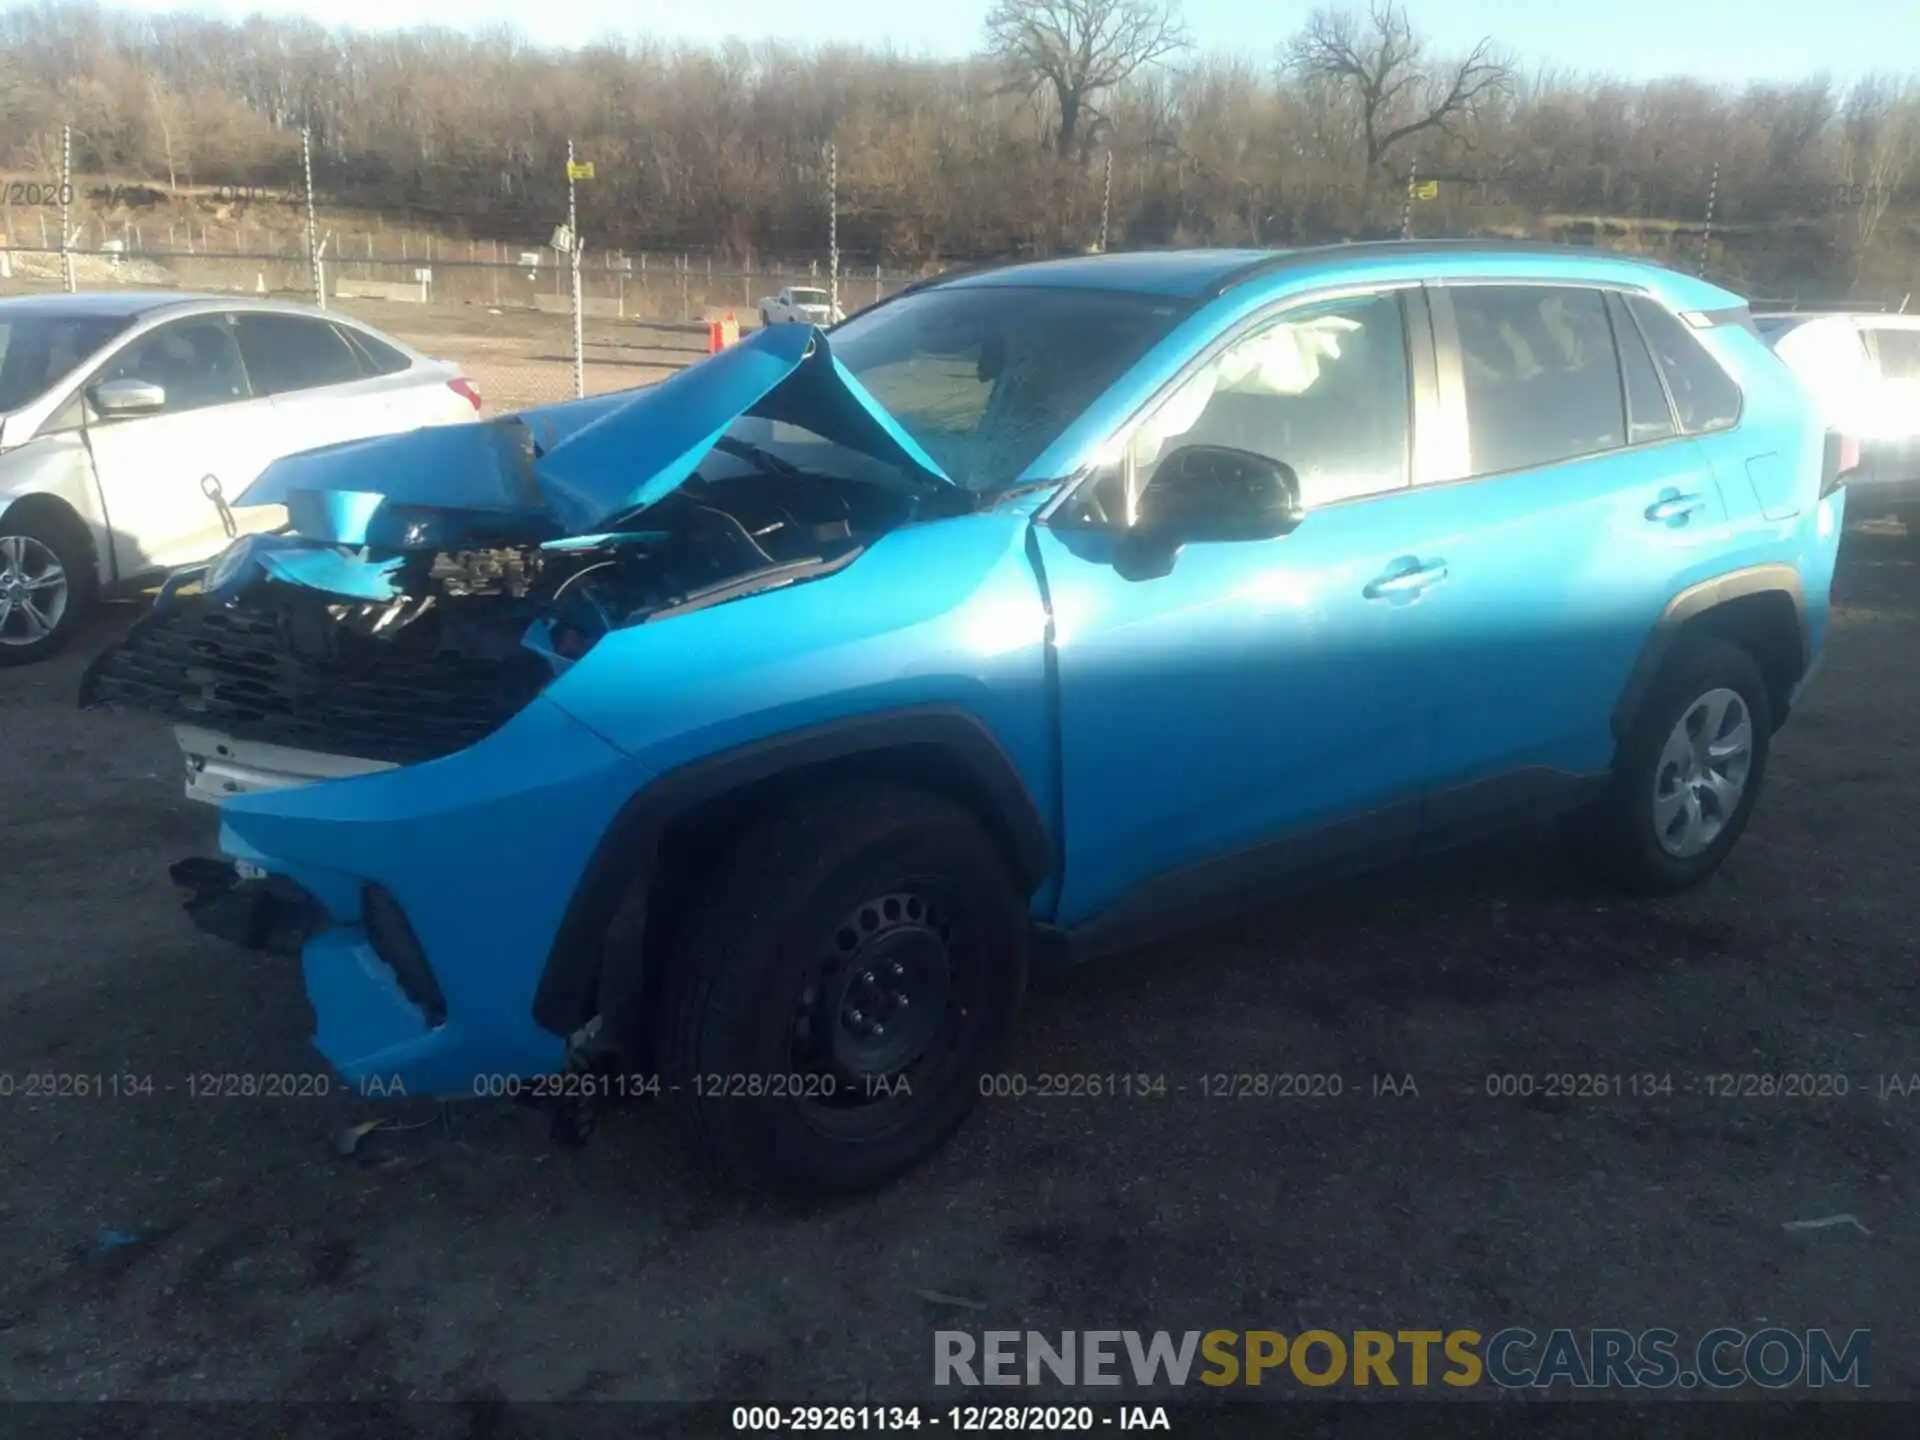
{"points": [[570, 469]]}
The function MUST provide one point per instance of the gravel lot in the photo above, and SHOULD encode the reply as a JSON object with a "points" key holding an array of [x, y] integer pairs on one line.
{"points": [[520, 358], [466, 1259]]}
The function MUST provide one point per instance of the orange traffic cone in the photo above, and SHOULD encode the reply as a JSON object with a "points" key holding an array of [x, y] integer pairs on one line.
{"points": [[714, 342], [729, 330]]}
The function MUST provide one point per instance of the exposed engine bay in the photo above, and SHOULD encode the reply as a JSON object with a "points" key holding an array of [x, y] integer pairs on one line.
{"points": [[471, 636]]}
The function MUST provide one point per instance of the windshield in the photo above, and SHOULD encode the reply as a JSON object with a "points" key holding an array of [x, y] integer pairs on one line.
{"points": [[1771, 326], [37, 352], [808, 297], [986, 377]]}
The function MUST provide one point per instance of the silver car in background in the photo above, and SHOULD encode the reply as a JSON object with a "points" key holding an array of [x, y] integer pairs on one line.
{"points": [[129, 421]]}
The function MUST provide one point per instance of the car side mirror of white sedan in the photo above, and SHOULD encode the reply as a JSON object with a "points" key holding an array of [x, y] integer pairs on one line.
{"points": [[127, 396]]}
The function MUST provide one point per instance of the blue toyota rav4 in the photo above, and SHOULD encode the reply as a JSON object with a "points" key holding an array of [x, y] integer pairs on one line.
{"points": [[747, 737]]}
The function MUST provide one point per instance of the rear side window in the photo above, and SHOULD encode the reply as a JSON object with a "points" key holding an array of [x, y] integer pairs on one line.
{"points": [[1704, 396], [1648, 415], [376, 356], [1896, 352], [285, 353], [1542, 380]]}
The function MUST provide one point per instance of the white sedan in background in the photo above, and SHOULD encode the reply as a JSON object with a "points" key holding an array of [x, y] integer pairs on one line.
{"points": [[128, 422], [1864, 370]]}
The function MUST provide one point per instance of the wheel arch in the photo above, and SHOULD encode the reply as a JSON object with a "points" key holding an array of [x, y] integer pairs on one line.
{"points": [[49, 507], [644, 872], [1761, 608]]}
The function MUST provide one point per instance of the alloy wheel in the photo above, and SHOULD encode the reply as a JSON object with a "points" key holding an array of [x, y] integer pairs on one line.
{"points": [[1702, 773], [33, 590]]}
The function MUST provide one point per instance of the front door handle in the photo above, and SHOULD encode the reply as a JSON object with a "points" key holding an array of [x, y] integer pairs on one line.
{"points": [[1675, 507], [1405, 582]]}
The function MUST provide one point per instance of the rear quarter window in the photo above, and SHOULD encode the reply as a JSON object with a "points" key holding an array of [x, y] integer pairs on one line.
{"points": [[1705, 397], [377, 357]]}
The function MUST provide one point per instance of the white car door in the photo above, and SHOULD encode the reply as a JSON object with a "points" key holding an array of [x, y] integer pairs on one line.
{"points": [[321, 391], [153, 467]]}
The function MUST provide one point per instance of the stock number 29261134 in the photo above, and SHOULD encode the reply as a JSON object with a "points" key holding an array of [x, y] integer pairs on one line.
{"points": [[1011, 1085]]}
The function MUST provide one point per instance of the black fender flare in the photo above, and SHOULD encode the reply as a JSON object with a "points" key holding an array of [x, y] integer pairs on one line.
{"points": [[1689, 605], [626, 852]]}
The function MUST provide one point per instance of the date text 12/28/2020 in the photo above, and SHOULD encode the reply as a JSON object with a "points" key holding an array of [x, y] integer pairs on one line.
{"points": [[961, 1419]]}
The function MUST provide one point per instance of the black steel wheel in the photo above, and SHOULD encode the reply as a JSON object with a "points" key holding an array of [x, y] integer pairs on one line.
{"points": [[850, 975]]}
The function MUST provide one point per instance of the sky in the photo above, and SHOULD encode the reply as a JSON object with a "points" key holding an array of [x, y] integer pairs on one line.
{"points": [[1713, 40]]}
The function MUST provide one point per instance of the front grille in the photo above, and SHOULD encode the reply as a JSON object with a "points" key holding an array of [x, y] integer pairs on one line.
{"points": [[291, 673]]}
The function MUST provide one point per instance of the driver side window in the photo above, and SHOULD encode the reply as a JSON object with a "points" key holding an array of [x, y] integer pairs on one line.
{"points": [[1323, 389], [195, 361]]}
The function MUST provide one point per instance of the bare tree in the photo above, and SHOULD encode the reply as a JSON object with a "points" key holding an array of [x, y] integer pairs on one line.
{"points": [[1882, 127], [1080, 49], [716, 149], [1383, 64], [165, 106]]}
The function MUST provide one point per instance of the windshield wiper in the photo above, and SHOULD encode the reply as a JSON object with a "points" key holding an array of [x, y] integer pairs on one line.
{"points": [[758, 455]]}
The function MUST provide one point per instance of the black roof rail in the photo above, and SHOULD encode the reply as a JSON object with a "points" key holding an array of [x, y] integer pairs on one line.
{"points": [[1280, 260]]}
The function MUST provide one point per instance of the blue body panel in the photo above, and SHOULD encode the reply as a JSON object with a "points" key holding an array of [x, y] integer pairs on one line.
{"points": [[946, 613], [565, 469], [483, 849], [1254, 692], [1248, 696], [1525, 660], [642, 450]]}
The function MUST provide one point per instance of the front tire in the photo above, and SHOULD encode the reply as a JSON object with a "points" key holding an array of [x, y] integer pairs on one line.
{"points": [[46, 585], [1688, 774], [850, 975]]}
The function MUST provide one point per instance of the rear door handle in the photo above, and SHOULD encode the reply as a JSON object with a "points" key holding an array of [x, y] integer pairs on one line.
{"points": [[1675, 507], [1405, 582]]}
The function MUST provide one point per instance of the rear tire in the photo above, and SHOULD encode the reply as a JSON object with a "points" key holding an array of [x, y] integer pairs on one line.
{"points": [[1687, 775], [46, 584], [862, 937]]}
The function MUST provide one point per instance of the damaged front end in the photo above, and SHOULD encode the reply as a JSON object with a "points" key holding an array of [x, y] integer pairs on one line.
{"points": [[396, 641], [431, 584]]}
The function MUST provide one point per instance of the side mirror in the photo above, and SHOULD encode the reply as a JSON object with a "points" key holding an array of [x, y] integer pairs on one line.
{"points": [[127, 397], [1203, 494]]}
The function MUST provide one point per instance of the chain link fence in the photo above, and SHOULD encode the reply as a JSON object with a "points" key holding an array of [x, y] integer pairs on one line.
{"points": [[506, 311]]}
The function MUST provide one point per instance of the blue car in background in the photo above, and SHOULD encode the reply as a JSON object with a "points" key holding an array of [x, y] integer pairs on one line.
{"points": [[750, 737]]}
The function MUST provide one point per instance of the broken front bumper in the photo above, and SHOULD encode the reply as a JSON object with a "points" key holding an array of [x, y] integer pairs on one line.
{"points": [[254, 910], [220, 767], [423, 900]]}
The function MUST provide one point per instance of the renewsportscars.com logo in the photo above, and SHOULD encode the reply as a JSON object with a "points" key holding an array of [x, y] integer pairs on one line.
{"points": [[1510, 1359]]}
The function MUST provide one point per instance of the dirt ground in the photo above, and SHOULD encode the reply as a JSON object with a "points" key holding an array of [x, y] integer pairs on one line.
{"points": [[521, 358], [467, 1259]]}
